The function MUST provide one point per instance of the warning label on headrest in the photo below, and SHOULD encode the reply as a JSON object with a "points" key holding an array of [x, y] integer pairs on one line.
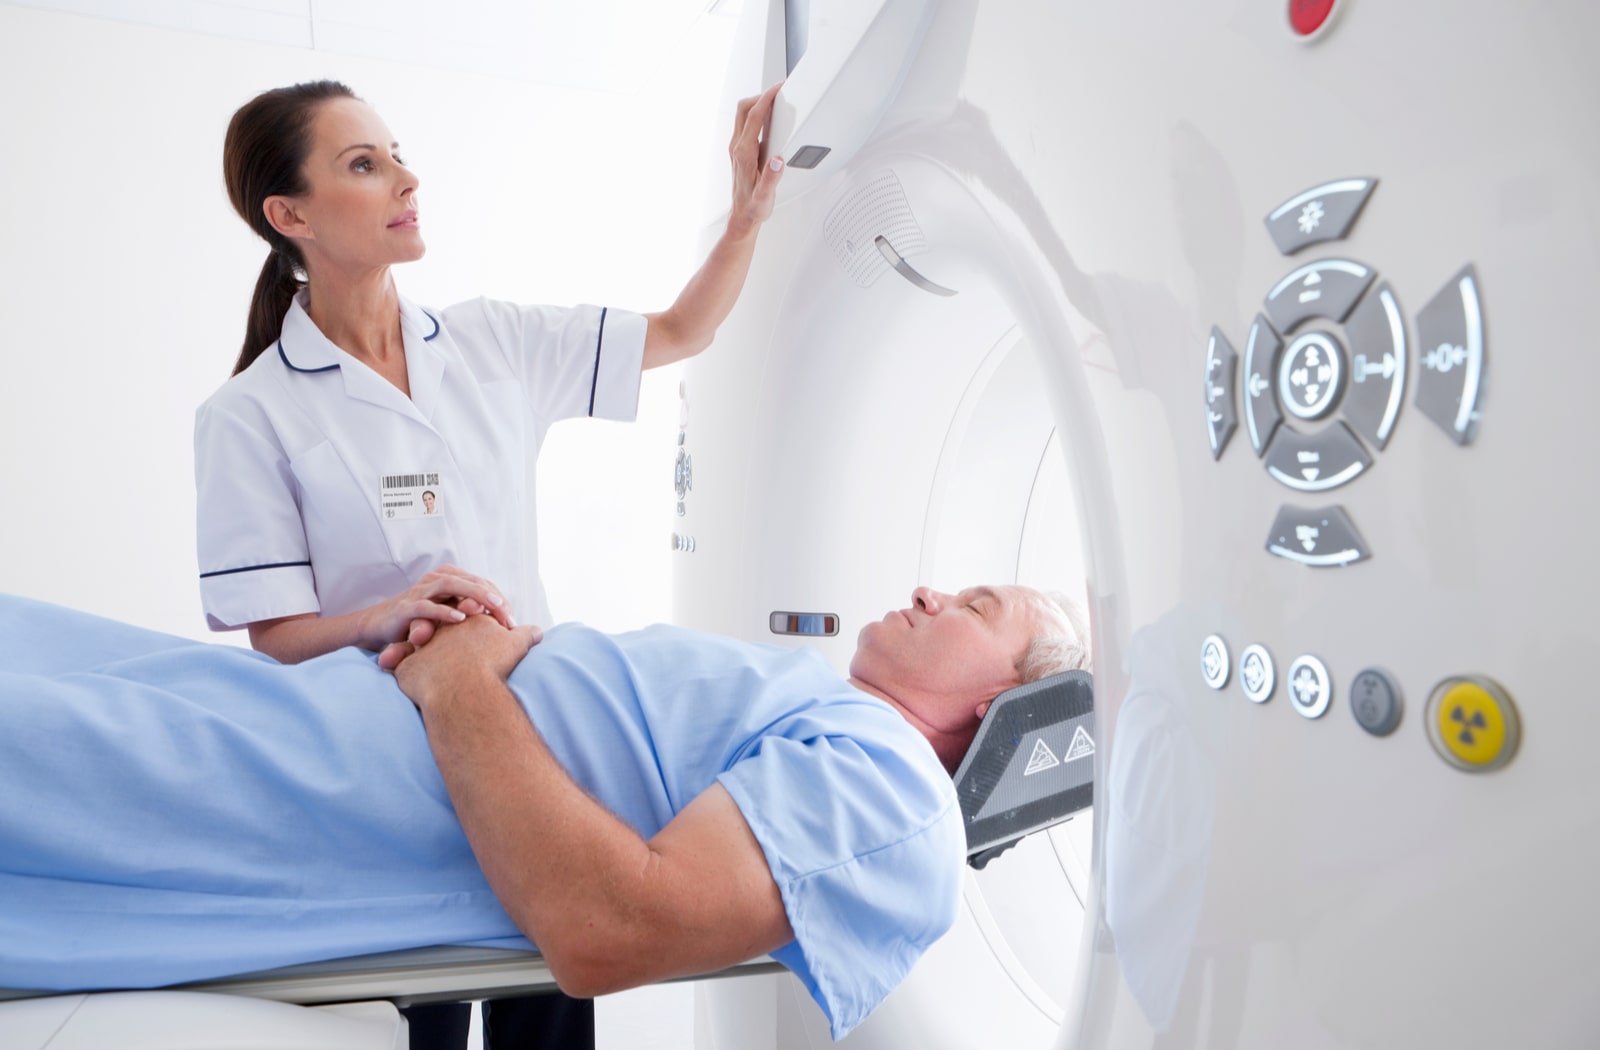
{"points": [[1055, 759]]}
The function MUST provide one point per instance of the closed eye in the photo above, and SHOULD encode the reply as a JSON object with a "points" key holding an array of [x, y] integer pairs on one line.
{"points": [[982, 601]]}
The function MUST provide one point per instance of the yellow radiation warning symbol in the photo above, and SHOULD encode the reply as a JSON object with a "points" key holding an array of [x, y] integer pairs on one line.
{"points": [[1472, 723]]}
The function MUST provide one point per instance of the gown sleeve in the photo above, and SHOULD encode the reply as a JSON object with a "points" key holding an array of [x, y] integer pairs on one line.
{"points": [[863, 835]]}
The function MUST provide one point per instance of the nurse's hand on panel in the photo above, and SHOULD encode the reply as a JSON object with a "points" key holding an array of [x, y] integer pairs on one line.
{"points": [[755, 175], [686, 327]]}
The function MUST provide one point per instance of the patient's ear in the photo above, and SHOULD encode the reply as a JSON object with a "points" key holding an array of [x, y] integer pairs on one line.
{"points": [[983, 709]]}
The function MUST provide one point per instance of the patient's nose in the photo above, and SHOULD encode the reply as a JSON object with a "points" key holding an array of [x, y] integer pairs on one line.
{"points": [[928, 600]]}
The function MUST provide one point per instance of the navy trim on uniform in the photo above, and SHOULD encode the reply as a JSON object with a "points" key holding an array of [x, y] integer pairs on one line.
{"points": [[435, 320], [599, 342], [308, 371], [253, 568]]}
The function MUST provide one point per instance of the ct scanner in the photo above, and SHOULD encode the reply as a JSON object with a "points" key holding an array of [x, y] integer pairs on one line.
{"points": [[1189, 310]]}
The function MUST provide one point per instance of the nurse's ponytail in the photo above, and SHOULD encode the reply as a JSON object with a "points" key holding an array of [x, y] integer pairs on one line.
{"points": [[263, 155]]}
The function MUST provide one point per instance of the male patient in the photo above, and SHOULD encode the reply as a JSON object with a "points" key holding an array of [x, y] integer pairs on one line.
{"points": [[643, 806]]}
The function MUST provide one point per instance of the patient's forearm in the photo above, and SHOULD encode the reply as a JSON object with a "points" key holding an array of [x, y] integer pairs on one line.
{"points": [[608, 909], [540, 839]]}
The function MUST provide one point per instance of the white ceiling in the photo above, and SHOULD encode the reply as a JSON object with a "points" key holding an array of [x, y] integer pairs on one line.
{"points": [[603, 45]]}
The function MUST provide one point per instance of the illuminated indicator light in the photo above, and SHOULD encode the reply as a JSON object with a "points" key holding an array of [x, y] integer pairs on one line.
{"points": [[1308, 16], [1315, 484], [1397, 339], [1305, 274], [1310, 197], [1469, 391]]}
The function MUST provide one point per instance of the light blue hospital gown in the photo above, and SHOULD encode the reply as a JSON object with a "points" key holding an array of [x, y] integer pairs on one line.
{"points": [[172, 810]]}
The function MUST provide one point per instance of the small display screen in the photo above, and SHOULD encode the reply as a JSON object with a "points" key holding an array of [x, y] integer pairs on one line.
{"points": [[815, 624]]}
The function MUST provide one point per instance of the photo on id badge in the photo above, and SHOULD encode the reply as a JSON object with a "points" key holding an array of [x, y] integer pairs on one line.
{"points": [[417, 495]]}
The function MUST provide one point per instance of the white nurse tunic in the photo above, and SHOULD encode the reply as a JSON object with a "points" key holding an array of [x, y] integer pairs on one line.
{"points": [[321, 488]]}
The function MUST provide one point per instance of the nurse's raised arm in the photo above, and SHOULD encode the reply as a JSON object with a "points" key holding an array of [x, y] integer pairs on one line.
{"points": [[686, 327]]}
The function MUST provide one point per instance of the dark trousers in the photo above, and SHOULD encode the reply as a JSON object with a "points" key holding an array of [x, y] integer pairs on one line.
{"points": [[536, 1022]]}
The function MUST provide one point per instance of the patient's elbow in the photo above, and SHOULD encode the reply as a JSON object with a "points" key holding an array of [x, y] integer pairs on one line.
{"points": [[585, 974], [587, 956]]}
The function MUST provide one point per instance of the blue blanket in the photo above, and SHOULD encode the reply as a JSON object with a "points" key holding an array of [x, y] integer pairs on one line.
{"points": [[173, 810]]}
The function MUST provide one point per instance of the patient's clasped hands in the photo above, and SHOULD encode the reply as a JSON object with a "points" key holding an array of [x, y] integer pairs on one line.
{"points": [[406, 622], [459, 656]]}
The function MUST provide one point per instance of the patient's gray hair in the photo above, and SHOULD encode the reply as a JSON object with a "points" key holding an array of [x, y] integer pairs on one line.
{"points": [[1060, 640]]}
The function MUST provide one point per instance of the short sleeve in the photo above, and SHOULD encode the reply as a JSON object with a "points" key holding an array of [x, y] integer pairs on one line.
{"points": [[573, 361], [254, 561], [865, 844]]}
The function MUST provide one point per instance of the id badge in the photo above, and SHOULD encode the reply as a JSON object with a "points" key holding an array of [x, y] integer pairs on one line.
{"points": [[411, 496]]}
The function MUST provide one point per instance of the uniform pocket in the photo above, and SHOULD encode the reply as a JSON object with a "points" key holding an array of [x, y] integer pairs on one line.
{"points": [[351, 556]]}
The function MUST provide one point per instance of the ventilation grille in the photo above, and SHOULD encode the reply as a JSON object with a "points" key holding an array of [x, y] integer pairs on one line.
{"points": [[877, 209]]}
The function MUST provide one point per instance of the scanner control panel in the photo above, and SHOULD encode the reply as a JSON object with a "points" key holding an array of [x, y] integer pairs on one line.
{"points": [[1324, 368]]}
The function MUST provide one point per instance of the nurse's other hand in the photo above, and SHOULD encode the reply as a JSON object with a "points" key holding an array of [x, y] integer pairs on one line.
{"points": [[755, 175], [460, 654], [421, 632], [446, 595]]}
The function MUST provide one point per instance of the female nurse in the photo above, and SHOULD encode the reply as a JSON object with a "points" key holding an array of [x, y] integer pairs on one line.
{"points": [[365, 473], [349, 401]]}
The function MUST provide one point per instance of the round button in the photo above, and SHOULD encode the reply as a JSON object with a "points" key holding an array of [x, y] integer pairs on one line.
{"points": [[1256, 673], [1472, 723], [1307, 17], [1309, 687], [1214, 661], [1310, 375], [1375, 701]]}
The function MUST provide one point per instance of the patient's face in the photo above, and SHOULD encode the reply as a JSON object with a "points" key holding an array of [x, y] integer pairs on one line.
{"points": [[947, 652]]}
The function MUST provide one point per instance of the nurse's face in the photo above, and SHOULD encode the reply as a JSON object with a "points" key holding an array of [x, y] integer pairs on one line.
{"points": [[361, 210], [947, 653]]}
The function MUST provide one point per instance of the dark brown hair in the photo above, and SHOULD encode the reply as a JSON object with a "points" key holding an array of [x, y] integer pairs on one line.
{"points": [[263, 156]]}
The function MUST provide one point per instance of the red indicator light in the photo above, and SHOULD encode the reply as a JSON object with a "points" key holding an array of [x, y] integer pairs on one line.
{"points": [[1308, 16]]}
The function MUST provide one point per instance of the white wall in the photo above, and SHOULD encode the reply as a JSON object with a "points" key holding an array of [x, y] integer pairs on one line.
{"points": [[125, 276]]}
